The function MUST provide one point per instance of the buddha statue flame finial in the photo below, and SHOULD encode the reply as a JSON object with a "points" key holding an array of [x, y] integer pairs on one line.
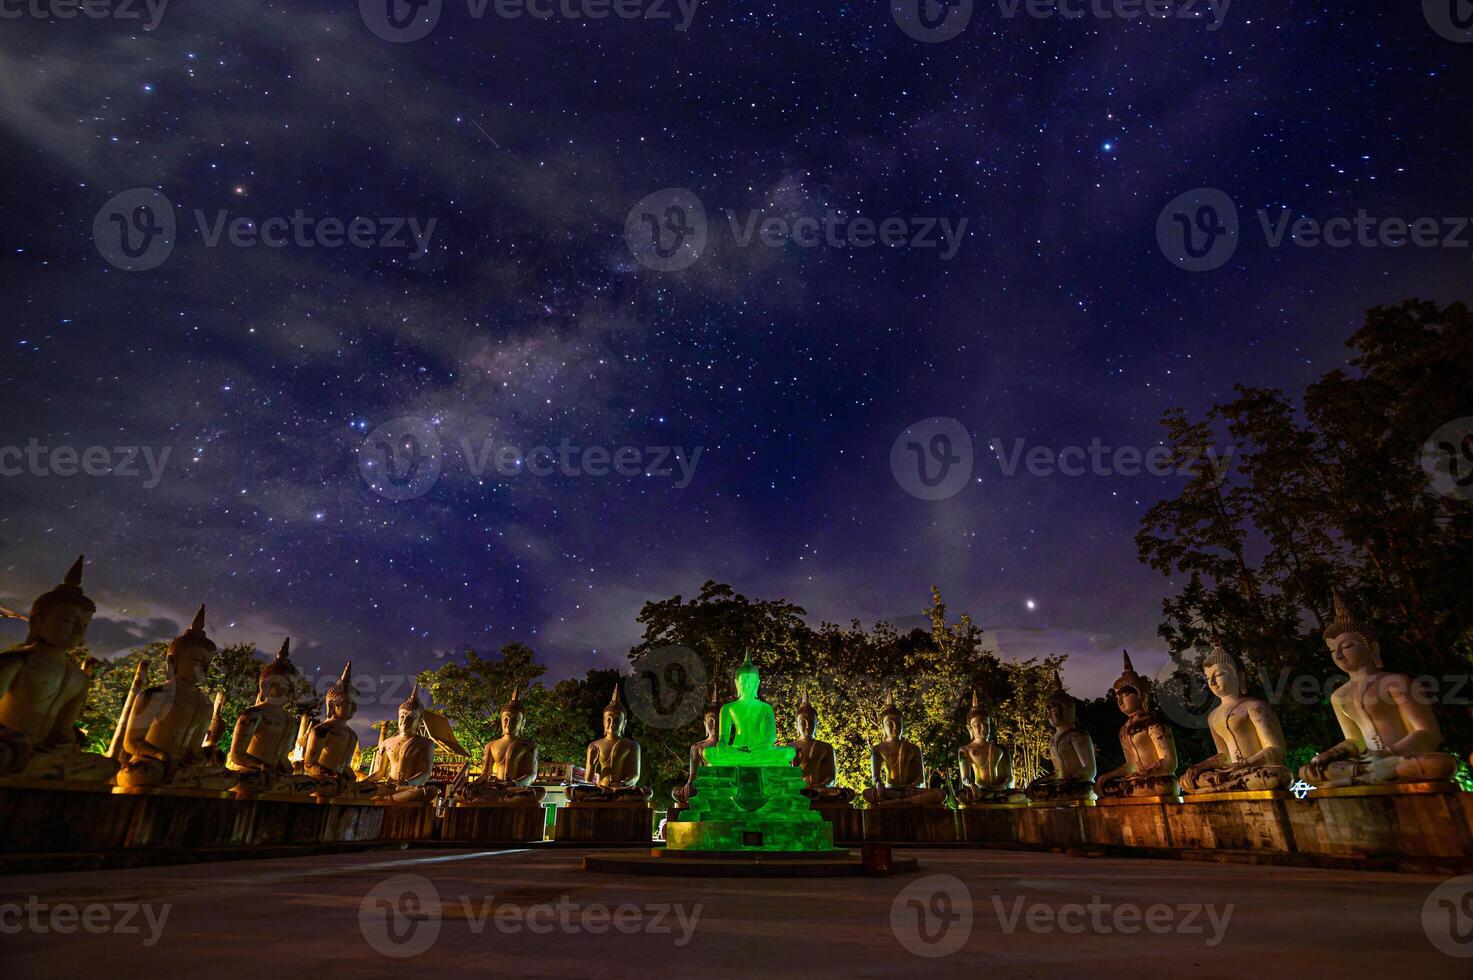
{"points": [[343, 688], [1345, 622]]}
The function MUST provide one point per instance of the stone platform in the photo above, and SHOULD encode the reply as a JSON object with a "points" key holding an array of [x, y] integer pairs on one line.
{"points": [[495, 822], [665, 861], [847, 822], [605, 822], [910, 824]]}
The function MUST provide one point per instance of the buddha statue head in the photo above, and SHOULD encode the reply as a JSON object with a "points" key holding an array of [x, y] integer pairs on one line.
{"points": [[513, 715], [979, 722], [1061, 707], [615, 715], [747, 679], [190, 652], [1353, 644], [891, 721], [806, 718], [411, 713], [60, 618], [280, 678], [1223, 672], [1132, 691], [341, 705]]}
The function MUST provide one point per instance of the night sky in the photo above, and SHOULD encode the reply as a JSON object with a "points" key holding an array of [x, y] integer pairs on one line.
{"points": [[530, 320]]}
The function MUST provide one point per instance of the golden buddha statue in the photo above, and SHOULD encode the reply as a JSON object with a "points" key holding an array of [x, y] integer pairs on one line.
{"points": [[332, 745], [1250, 741], [42, 691], [1071, 753], [710, 717], [1146, 741], [407, 761], [265, 735], [816, 759], [1391, 734], [897, 767], [612, 764], [509, 763], [986, 768], [163, 735]]}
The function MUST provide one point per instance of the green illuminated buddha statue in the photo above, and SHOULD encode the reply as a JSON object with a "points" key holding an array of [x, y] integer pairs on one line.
{"points": [[1246, 730], [508, 764], [1391, 734], [407, 761], [986, 769], [164, 733], [332, 745], [748, 728], [897, 766], [265, 734], [1071, 753], [816, 759], [1146, 741], [42, 691], [710, 721], [612, 764]]}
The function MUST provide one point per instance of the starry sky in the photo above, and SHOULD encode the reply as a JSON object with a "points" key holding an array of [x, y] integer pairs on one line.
{"points": [[531, 320]]}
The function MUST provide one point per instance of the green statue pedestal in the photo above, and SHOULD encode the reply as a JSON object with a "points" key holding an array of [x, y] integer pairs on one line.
{"points": [[750, 808]]}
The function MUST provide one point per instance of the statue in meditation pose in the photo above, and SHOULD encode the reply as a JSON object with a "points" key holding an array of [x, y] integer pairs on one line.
{"points": [[986, 769], [710, 721], [1249, 739], [508, 765], [1147, 742], [1071, 752], [332, 744], [816, 759], [42, 691], [897, 767], [612, 764], [407, 761], [1391, 734], [265, 735], [164, 733]]}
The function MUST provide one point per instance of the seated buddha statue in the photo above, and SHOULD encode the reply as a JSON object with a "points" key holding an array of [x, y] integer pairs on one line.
{"points": [[42, 691], [1391, 734], [747, 727], [508, 765], [1246, 730], [1146, 741], [1071, 754], [163, 735], [986, 769], [332, 745], [710, 720], [612, 764], [816, 759], [897, 766], [265, 735], [407, 761]]}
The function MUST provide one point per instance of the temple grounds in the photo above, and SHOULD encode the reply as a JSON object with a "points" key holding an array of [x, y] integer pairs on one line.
{"points": [[534, 912]]}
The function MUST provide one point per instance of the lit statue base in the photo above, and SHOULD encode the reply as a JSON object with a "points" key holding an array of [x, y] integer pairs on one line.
{"points": [[987, 823], [740, 808], [594, 823], [927, 824], [407, 821], [499, 822]]}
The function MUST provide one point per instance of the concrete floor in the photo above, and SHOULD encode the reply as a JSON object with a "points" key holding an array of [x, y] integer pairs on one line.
{"points": [[536, 914]]}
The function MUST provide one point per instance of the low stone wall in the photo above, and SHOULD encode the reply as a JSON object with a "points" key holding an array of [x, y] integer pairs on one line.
{"points": [[494, 822]]}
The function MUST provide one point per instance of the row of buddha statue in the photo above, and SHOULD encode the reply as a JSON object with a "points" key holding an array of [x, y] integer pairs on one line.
{"points": [[166, 738]]}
